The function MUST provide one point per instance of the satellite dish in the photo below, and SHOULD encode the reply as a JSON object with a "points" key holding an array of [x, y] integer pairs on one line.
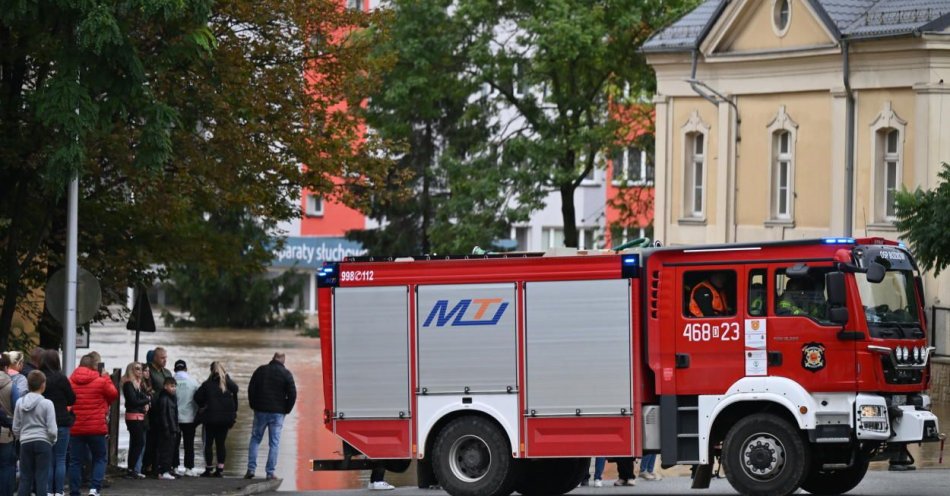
{"points": [[88, 296]]}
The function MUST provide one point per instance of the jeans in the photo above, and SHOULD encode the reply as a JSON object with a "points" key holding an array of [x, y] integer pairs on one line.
{"points": [[7, 468], [599, 464], [646, 465], [34, 467], [274, 423], [79, 449], [57, 463]]}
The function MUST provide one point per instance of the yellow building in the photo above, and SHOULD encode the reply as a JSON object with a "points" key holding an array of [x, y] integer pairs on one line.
{"points": [[786, 119]]}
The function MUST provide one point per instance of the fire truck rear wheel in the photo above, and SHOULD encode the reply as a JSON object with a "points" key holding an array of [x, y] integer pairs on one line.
{"points": [[835, 481], [764, 456], [471, 457]]}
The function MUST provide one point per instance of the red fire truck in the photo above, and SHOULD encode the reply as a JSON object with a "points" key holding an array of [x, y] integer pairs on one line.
{"points": [[796, 363]]}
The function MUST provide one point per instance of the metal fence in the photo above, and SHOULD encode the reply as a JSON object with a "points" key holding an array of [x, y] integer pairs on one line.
{"points": [[940, 329]]}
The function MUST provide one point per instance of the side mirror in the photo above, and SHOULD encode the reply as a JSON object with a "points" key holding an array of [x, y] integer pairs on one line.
{"points": [[837, 294], [875, 273]]}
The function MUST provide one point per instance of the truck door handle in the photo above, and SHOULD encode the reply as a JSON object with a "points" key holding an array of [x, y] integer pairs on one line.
{"points": [[682, 360]]}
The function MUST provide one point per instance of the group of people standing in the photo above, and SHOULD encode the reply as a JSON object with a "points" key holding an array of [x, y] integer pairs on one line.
{"points": [[163, 411], [50, 415], [44, 415]]}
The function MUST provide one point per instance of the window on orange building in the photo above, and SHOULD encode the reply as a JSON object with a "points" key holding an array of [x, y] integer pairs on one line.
{"points": [[314, 205]]}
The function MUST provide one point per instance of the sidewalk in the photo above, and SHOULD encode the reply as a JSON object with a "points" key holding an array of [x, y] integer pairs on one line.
{"points": [[191, 486]]}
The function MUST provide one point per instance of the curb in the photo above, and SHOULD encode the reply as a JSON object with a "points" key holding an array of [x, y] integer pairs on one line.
{"points": [[264, 486]]}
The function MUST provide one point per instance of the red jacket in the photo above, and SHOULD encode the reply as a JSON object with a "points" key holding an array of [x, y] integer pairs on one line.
{"points": [[94, 393]]}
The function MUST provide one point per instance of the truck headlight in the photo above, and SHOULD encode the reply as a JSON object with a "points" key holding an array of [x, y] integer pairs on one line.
{"points": [[872, 411], [917, 353], [873, 417]]}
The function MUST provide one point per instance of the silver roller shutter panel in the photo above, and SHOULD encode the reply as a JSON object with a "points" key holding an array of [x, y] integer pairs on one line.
{"points": [[371, 352], [578, 347], [467, 338]]}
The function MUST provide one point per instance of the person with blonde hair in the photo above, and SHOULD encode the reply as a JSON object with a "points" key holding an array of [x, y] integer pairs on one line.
{"points": [[14, 371], [137, 402], [217, 401]]}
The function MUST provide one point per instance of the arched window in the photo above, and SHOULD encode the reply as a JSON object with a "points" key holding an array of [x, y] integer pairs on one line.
{"points": [[783, 132], [695, 151], [888, 133]]}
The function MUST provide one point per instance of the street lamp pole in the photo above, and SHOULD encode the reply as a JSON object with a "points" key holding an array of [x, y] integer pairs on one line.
{"points": [[72, 270]]}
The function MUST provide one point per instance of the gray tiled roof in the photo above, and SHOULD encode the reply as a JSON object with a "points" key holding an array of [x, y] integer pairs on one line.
{"points": [[684, 33], [851, 19]]}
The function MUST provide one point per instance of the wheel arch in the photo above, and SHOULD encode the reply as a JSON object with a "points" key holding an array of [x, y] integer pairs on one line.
{"points": [[776, 395], [433, 432]]}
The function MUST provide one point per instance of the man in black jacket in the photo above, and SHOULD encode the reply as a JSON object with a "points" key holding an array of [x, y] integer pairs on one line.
{"points": [[272, 394]]}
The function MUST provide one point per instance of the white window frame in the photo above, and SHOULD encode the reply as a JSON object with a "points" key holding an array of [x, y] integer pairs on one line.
{"points": [[691, 180], [886, 122], [781, 124], [518, 86], [779, 30], [623, 179], [313, 206]]}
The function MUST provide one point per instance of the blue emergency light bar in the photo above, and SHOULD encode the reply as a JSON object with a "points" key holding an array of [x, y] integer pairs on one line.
{"points": [[327, 277], [630, 266], [838, 241]]}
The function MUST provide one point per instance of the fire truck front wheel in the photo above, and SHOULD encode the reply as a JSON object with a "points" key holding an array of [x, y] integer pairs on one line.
{"points": [[471, 457], [763, 455]]}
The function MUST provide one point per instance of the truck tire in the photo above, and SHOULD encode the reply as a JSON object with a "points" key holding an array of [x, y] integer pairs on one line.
{"points": [[471, 457], [835, 481], [552, 476], [764, 456]]}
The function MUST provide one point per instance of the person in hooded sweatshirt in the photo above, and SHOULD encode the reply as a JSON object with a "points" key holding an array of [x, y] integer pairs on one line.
{"points": [[60, 392], [94, 393], [8, 397], [34, 424]]}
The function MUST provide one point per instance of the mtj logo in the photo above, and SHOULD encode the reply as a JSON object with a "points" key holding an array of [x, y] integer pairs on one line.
{"points": [[442, 315]]}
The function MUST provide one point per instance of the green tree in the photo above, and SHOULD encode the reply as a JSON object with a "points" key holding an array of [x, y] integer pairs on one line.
{"points": [[922, 219], [450, 188], [173, 114], [559, 64]]}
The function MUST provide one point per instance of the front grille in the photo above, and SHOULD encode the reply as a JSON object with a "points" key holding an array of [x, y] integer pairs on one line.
{"points": [[893, 375]]}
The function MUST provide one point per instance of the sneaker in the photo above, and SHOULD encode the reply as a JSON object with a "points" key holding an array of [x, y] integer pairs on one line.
{"points": [[180, 470], [650, 476], [381, 486], [93, 492], [166, 476], [598, 483], [270, 477], [218, 472], [209, 472], [190, 472], [249, 475], [625, 482]]}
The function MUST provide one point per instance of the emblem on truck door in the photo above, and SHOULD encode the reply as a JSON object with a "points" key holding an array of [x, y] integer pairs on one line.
{"points": [[813, 356], [442, 315]]}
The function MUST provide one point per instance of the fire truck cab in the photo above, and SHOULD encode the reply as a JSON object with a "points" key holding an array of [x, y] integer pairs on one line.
{"points": [[796, 363]]}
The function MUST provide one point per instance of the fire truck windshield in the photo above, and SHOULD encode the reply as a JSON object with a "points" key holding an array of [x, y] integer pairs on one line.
{"points": [[890, 306]]}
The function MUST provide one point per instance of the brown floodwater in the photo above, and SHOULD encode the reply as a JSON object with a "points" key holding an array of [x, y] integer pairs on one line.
{"points": [[304, 438]]}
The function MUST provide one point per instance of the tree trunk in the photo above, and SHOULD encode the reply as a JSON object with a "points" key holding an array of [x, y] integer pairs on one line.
{"points": [[568, 215]]}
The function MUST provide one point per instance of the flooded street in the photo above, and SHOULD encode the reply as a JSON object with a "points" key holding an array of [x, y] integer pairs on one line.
{"points": [[304, 437]]}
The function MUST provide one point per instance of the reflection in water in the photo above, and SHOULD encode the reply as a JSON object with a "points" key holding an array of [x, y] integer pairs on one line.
{"points": [[304, 437]]}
